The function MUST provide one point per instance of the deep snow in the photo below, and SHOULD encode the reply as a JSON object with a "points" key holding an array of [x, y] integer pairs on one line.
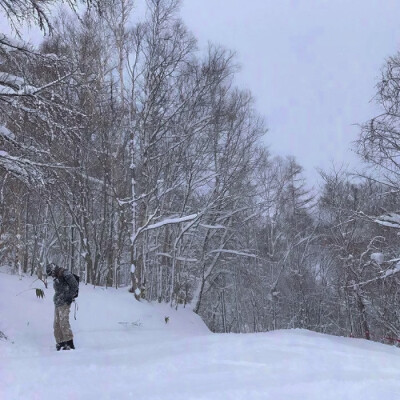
{"points": [[125, 350]]}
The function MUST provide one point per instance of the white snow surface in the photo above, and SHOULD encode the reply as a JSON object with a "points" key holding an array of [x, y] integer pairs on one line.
{"points": [[125, 350]]}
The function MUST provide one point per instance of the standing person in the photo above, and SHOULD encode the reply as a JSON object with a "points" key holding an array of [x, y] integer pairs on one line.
{"points": [[66, 289]]}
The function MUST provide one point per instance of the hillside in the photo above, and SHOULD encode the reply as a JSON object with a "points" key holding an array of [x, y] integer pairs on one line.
{"points": [[125, 350]]}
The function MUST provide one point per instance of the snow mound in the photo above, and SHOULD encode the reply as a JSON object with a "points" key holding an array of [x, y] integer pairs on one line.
{"points": [[126, 350], [28, 320]]}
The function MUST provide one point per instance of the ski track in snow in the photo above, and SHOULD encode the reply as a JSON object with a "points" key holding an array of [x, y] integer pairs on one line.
{"points": [[125, 350]]}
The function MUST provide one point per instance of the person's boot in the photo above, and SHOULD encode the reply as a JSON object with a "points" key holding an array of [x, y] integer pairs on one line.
{"points": [[69, 345], [59, 346]]}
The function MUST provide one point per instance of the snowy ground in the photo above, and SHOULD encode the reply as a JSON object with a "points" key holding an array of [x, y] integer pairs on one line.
{"points": [[125, 350]]}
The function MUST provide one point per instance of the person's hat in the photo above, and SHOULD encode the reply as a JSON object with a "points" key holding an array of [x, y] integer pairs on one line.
{"points": [[50, 269]]}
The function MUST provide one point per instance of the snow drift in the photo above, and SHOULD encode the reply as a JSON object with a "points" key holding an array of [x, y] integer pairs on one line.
{"points": [[127, 350]]}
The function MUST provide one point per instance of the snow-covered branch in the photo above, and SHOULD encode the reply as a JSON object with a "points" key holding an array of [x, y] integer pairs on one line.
{"points": [[169, 221], [235, 252]]}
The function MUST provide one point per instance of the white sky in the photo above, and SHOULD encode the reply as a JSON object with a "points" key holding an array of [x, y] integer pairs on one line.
{"points": [[312, 66]]}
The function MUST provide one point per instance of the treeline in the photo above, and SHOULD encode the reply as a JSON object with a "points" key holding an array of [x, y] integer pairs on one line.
{"points": [[130, 158]]}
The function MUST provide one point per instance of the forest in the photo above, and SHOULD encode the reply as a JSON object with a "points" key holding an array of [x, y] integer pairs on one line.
{"points": [[131, 158]]}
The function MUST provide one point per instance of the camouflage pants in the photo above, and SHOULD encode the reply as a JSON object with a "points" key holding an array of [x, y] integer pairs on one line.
{"points": [[62, 328]]}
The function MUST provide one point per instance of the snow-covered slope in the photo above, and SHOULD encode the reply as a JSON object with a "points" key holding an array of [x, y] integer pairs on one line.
{"points": [[125, 350]]}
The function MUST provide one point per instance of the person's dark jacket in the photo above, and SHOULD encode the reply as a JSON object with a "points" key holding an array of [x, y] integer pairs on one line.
{"points": [[65, 287]]}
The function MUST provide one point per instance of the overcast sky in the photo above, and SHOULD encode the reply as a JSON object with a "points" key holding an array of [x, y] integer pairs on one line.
{"points": [[312, 66]]}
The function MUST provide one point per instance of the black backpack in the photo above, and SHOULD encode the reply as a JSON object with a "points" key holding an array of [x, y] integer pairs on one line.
{"points": [[77, 279]]}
